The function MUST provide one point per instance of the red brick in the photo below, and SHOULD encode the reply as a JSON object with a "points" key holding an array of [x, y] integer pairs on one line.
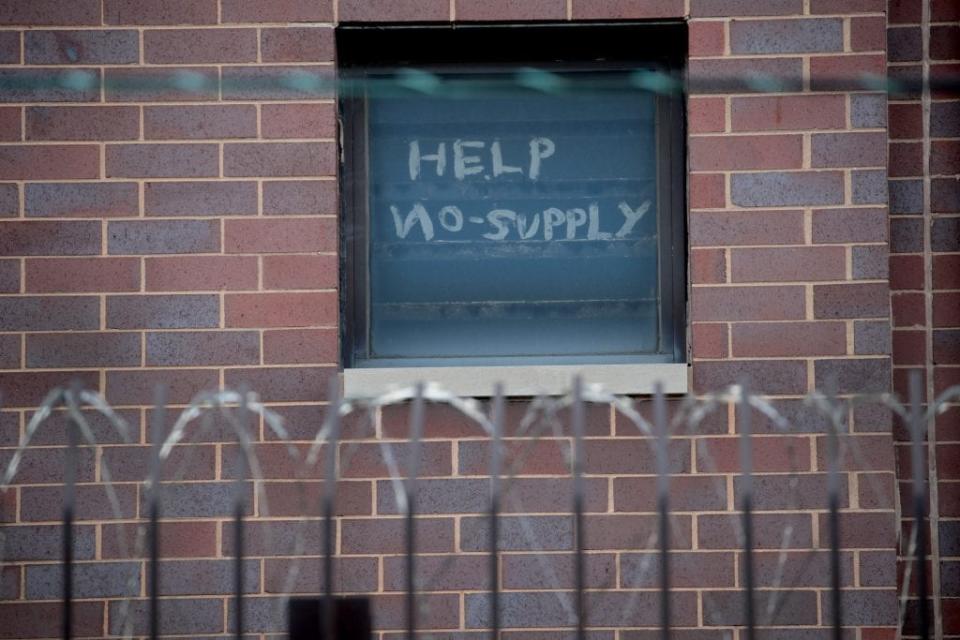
{"points": [[868, 34], [848, 6], [275, 159], [849, 225], [440, 421], [945, 157], [944, 11], [42, 619], [848, 149], [86, 47], [944, 42], [770, 454], [763, 113], [278, 11], [906, 120], [726, 8], [201, 273], [10, 124], [177, 540], [300, 272], [188, 122], [627, 532], [548, 456], [156, 84], [708, 266], [706, 115], [163, 161], [709, 340], [906, 272], [627, 9], [707, 191], [199, 46], [748, 303], [723, 153], [160, 12], [393, 10], [706, 38], [492, 10], [297, 44], [79, 275], [139, 387], [81, 200], [906, 159], [303, 498], [49, 162], [844, 71], [28, 389], [753, 227], [631, 456], [687, 493], [262, 310], [789, 339], [298, 121], [83, 123], [946, 309], [52, 13], [300, 346], [197, 198], [74, 238], [851, 301], [908, 310], [290, 235], [788, 264], [946, 272], [366, 460]]}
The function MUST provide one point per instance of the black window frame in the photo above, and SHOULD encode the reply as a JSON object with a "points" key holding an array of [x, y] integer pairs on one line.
{"points": [[365, 49]]}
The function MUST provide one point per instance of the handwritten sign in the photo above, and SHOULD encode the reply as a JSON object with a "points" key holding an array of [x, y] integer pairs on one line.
{"points": [[519, 225]]}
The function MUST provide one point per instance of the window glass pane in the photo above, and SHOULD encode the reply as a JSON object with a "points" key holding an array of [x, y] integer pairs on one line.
{"points": [[513, 224]]}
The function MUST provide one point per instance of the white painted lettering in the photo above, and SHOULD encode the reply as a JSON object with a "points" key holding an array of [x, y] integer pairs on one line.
{"points": [[552, 217], [632, 217], [451, 218], [415, 159], [496, 218], [464, 165], [527, 233], [593, 230], [417, 214], [498, 167], [540, 150], [575, 218]]}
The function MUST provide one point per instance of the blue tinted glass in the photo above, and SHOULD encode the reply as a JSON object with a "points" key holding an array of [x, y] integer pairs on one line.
{"points": [[513, 225]]}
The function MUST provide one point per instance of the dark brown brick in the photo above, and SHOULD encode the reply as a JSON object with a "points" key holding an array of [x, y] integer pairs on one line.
{"points": [[280, 11], [163, 312], [773, 189], [906, 120], [851, 301], [905, 44], [725, 8], [275, 159], [154, 84], [9, 47], [63, 350], [633, 532], [844, 72], [177, 540], [511, 10], [906, 159], [796, 339], [788, 264], [284, 384], [276, 310], [49, 238], [201, 273], [631, 456], [49, 313], [9, 276], [200, 198], [707, 115], [163, 236], [298, 121], [945, 157], [42, 619], [707, 191], [702, 569], [81, 47], [368, 460], [203, 348], [687, 493], [709, 340], [943, 42], [163, 161], [803, 112], [945, 234], [300, 272], [199, 122], [779, 377], [297, 44], [288, 235], [867, 375], [393, 10], [300, 346], [771, 454], [49, 162], [352, 498], [299, 197], [868, 33], [717, 75], [748, 303], [82, 275], [52, 13], [81, 200], [849, 225], [199, 46], [160, 12], [386, 535]]}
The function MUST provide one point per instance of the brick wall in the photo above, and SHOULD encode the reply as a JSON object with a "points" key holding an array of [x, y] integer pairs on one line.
{"points": [[924, 265], [150, 237]]}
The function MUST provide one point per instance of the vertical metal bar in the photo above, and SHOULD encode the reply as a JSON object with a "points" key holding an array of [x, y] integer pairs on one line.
{"points": [[579, 418], [495, 465], [663, 505], [919, 497], [69, 507], [157, 428], [746, 506], [329, 497], [833, 503], [413, 468], [238, 512]]}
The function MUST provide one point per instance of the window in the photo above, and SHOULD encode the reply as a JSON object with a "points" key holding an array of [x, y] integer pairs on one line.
{"points": [[512, 196]]}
